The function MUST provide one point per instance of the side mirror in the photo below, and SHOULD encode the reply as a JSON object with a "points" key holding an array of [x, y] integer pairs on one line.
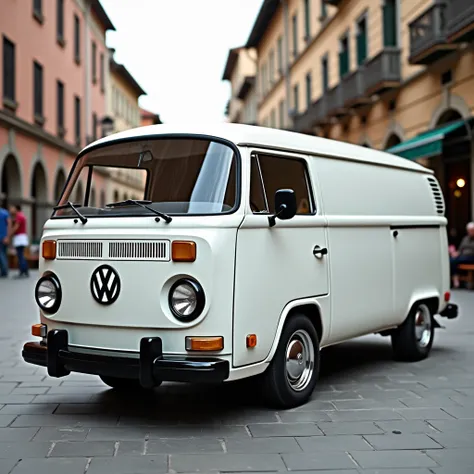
{"points": [[285, 206]]}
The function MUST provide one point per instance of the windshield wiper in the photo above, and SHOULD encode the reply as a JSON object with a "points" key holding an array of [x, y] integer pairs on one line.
{"points": [[74, 208], [143, 204]]}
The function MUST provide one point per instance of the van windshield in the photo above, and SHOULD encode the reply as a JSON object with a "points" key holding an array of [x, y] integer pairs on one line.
{"points": [[176, 176]]}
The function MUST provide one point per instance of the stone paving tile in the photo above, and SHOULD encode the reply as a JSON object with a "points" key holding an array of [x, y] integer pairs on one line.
{"points": [[334, 443], [184, 446], [227, 462], [406, 442], [7, 387], [129, 465], [304, 416], [319, 460], [13, 409], [459, 413], [17, 434], [453, 458], [406, 427], [424, 414], [88, 449], [284, 429], [50, 466], [279, 445], [365, 415], [350, 427], [399, 471], [24, 449], [130, 448], [63, 420], [392, 459], [7, 465], [371, 404], [18, 399], [6, 420], [117, 434], [196, 431], [60, 434], [466, 426]]}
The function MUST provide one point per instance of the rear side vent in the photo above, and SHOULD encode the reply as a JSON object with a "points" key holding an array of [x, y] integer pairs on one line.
{"points": [[437, 196]]}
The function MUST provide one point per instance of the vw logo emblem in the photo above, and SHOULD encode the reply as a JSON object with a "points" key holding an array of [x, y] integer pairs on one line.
{"points": [[105, 285]]}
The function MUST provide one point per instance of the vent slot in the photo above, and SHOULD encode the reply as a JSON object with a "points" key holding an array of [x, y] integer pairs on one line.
{"points": [[437, 196], [146, 250], [79, 249]]}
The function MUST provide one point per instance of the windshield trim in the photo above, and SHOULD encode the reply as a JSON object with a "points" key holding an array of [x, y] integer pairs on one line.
{"points": [[167, 136]]}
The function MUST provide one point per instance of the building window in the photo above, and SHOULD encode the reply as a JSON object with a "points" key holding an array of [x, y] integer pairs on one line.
{"points": [[281, 110], [8, 71], [272, 66], [296, 93], [77, 39], [390, 33], [295, 35], [280, 55], [324, 10], [325, 73], [361, 40], [94, 126], [60, 107], [77, 120], [38, 92], [38, 10], [307, 20], [60, 21], [273, 119], [308, 89], [94, 62], [344, 60], [102, 72]]}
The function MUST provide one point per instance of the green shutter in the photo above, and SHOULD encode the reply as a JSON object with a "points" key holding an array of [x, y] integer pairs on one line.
{"points": [[307, 18], [389, 23], [343, 63], [361, 47], [324, 11]]}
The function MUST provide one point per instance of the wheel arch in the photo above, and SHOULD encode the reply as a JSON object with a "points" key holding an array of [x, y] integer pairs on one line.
{"points": [[310, 308]]}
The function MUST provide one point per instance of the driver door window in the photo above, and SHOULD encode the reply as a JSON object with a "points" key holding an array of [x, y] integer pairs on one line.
{"points": [[269, 174]]}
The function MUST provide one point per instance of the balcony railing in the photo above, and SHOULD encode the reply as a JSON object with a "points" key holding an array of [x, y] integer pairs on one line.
{"points": [[383, 71], [428, 35], [353, 89], [316, 114], [460, 26], [335, 101]]}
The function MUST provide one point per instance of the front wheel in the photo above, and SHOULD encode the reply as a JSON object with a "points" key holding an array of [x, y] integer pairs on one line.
{"points": [[123, 384], [412, 341], [291, 377]]}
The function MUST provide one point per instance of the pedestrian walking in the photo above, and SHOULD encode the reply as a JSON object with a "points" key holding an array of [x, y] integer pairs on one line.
{"points": [[19, 239], [464, 254], [5, 229]]}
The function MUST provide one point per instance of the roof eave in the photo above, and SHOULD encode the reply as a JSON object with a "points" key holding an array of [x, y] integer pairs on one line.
{"points": [[268, 9], [102, 15]]}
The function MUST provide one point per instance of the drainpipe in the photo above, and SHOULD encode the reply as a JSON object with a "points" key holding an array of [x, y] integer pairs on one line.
{"points": [[286, 62], [87, 69]]}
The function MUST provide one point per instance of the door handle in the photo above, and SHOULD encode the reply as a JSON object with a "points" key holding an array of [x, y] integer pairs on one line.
{"points": [[318, 252]]}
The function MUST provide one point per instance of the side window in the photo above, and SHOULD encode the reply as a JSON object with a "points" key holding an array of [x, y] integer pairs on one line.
{"points": [[279, 173]]}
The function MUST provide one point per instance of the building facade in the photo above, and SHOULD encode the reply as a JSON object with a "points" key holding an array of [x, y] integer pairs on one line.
{"points": [[394, 75], [241, 70], [53, 83]]}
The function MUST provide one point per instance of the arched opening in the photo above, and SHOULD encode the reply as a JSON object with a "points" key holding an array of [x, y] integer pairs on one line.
{"points": [[116, 196], [92, 198], [79, 193], [59, 184], [40, 205], [453, 170], [10, 181], [393, 140]]}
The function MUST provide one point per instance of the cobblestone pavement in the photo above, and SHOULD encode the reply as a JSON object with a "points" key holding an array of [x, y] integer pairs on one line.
{"points": [[368, 415]]}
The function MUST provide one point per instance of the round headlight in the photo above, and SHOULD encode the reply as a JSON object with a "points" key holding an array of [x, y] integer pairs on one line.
{"points": [[48, 293], [186, 299]]}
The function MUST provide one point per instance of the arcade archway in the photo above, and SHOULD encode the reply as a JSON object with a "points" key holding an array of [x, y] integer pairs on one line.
{"points": [[11, 180]]}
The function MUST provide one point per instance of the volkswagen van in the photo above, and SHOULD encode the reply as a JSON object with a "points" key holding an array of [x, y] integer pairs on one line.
{"points": [[245, 251]]}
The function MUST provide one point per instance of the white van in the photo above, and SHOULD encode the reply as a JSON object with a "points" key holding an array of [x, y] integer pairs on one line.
{"points": [[248, 250]]}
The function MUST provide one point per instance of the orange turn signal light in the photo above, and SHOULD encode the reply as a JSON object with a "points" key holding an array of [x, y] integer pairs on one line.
{"points": [[183, 251], [49, 249], [204, 343], [251, 340], [447, 296], [39, 330]]}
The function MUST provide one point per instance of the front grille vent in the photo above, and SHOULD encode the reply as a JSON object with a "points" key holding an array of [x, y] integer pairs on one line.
{"points": [[145, 250], [79, 249], [437, 195]]}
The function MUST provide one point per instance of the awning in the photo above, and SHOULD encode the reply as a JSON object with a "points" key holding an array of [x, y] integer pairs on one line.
{"points": [[426, 144]]}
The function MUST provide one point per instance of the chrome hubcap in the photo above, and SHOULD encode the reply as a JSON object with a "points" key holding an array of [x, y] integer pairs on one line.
{"points": [[299, 360], [423, 326]]}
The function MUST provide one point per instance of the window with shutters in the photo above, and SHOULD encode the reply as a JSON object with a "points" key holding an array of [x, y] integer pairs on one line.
{"points": [[8, 71], [390, 33], [361, 40], [272, 66], [38, 10], [324, 10], [280, 55], [77, 120], [307, 20], [325, 73], [102, 72], [344, 60], [294, 23], [77, 39], [94, 62], [281, 108], [38, 92], [296, 98], [60, 21], [60, 107], [308, 89]]}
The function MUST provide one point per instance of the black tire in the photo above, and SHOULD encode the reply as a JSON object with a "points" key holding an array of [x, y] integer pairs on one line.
{"points": [[277, 390], [406, 342], [122, 384]]}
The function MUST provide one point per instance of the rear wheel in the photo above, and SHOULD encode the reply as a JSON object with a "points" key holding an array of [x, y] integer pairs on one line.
{"points": [[412, 341], [291, 377], [123, 384]]}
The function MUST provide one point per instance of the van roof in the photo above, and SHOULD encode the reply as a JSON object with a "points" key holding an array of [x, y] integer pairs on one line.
{"points": [[264, 137]]}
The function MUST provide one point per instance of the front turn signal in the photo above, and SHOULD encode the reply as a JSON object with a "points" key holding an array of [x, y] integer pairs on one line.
{"points": [[204, 343], [49, 249], [39, 330], [183, 251]]}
